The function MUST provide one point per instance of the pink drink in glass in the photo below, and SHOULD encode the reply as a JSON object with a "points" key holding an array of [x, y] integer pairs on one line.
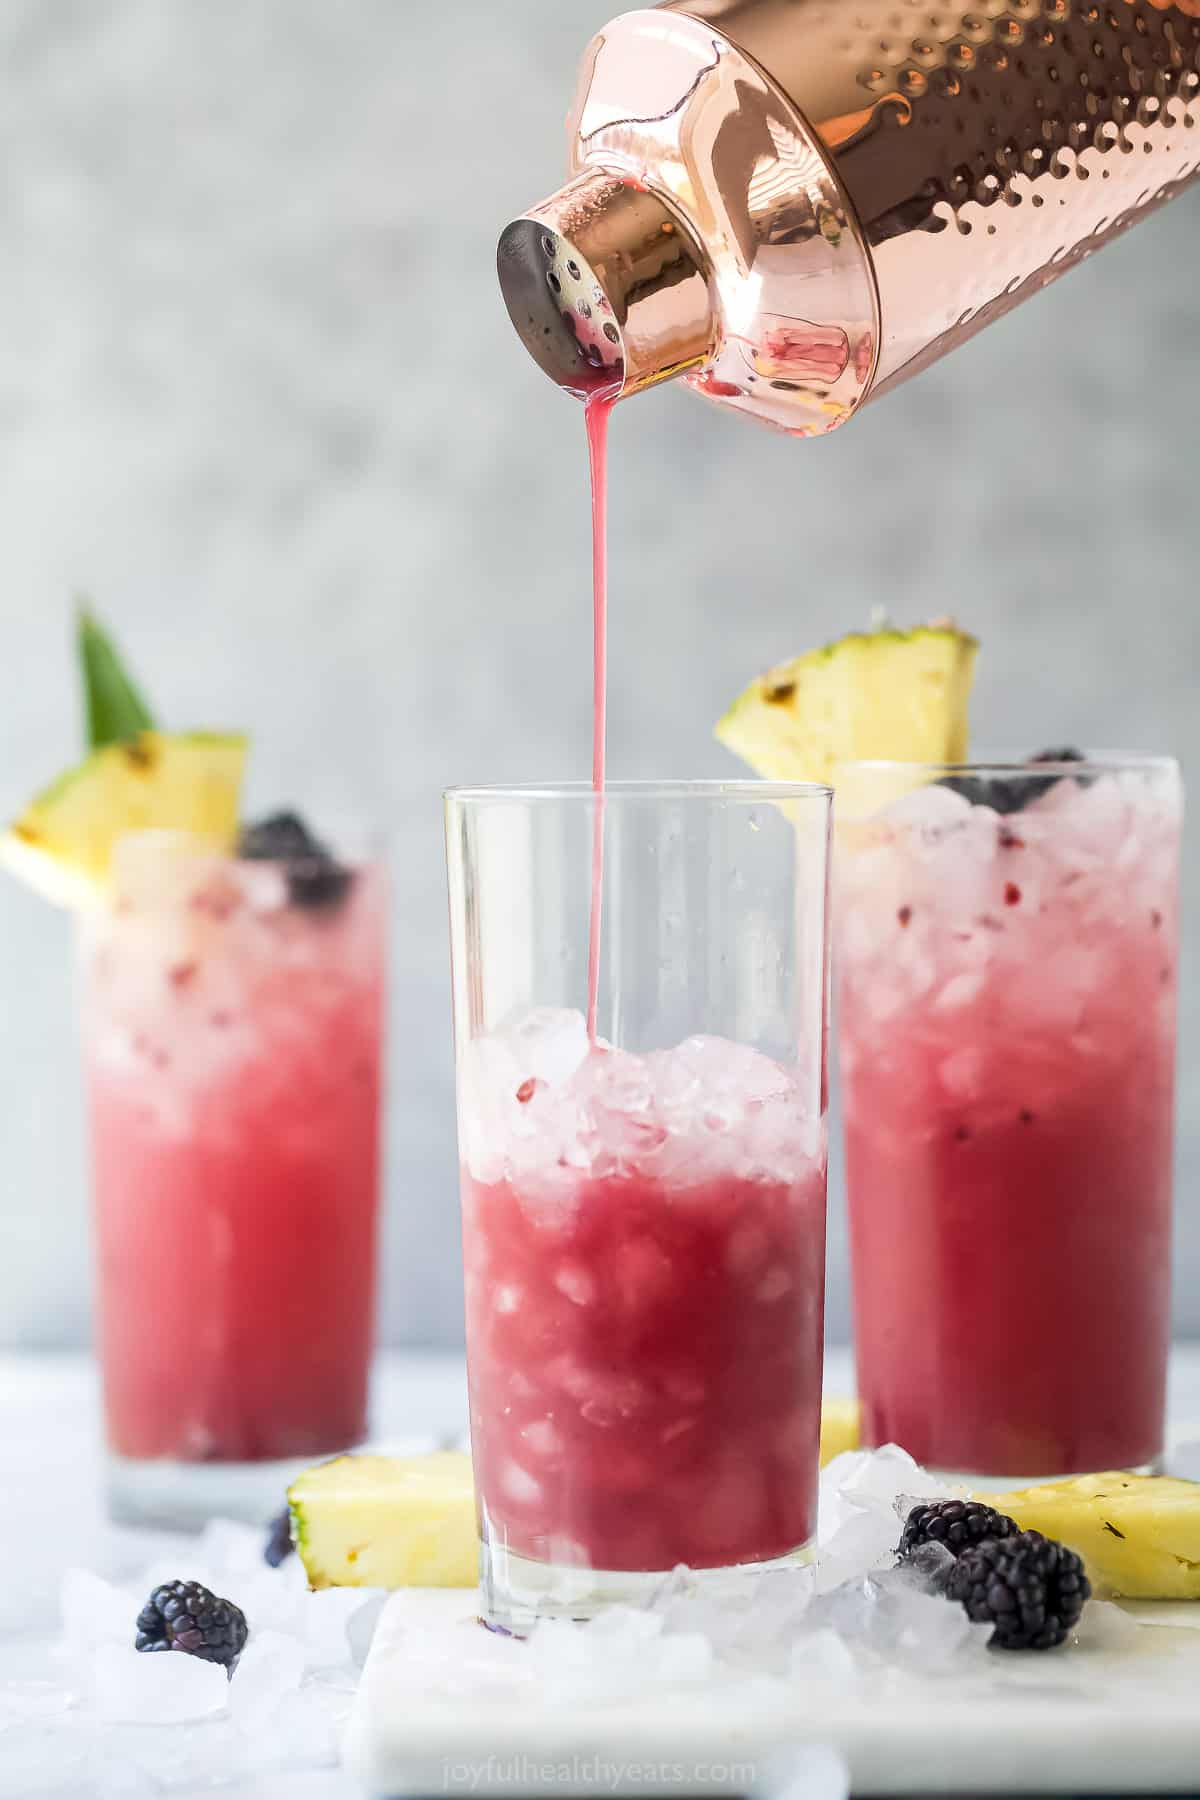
{"points": [[644, 1250], [232, 1046], [1007, 1026]]}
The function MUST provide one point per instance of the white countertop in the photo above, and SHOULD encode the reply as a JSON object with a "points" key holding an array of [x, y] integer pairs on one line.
{"points": [[51, 1517]]}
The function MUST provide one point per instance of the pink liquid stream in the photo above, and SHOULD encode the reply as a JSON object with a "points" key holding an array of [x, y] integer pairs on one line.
{"points": [[596, 415]]}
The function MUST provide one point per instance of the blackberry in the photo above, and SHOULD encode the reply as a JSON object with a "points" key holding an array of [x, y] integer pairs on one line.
{"points": [[1010, 793], [976, 790], [1030, 1588], [279, 1546], [183, 1615], [1067, 754], [315, 878], [1033, 788], [958, 1524]]}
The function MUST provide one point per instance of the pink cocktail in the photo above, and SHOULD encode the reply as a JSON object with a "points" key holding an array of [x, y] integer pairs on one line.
{"points": [[643, 1228], [232, 1034], [644, 1325], [1007, 1025]]}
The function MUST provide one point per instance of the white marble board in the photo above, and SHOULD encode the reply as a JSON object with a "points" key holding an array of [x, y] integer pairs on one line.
{"points": [[1118, 1718]]}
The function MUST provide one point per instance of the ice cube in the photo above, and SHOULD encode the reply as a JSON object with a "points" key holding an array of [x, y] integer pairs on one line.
{"points": [[922, 1630], [625, 1627], [750, 1619], [927, 1567], [618, 1123], [683, 1658], [722, 1070], [860, 1496], [1105, 1626], [33, 1697], [326, 1618], [623, 1652], [875, 1481], [304, 1734], [576, 1283], [279, 1599], [93, 1611], [522, 1488], [821, 1656], [865, 1541], [271, 1666], [642, 1275], [44, 1762], [229, 1549], [543, 1439], [929, 812], [549, 1044], [155, 1688], [361, 1627], [803, 1772]]}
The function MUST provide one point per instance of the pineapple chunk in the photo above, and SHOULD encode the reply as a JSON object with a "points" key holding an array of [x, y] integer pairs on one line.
{"points": [[1138, 1534], [840, 1427], [900, 695], [389, 1522], [63, 842], [393, 1522]]}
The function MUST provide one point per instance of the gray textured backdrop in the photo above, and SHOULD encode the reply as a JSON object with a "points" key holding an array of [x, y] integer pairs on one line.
{"points": [[258, 395]]}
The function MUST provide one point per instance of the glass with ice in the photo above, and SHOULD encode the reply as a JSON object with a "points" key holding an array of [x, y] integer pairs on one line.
{"points": [[232, 1033], [1007, 947], [643, 1211]]}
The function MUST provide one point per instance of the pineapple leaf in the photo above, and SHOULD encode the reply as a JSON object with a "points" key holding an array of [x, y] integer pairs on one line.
{"points": [[115, 710]]}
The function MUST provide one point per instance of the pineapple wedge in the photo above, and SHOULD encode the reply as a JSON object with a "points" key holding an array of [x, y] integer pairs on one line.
{"points": [[389, 1522], [393, 1522], [840, 1427], [900, 695], [1138, 1534], [63, 842]]}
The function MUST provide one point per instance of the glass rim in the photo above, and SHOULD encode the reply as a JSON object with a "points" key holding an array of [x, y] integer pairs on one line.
{"points": [[738, 789], [1100, 762]]}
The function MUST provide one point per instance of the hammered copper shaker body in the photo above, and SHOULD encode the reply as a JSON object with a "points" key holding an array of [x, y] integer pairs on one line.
{"points": [[795, 204]]}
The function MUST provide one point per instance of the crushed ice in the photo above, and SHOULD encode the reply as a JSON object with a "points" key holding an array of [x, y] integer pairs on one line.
{"points": [[857, 1624], [84, 1712], [538, 1104]]}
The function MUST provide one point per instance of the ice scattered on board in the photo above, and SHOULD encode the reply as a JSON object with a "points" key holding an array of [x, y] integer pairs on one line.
{"points": [[163, 1688], [863, 1496], [139, 1725], [270, 1668], [360, 1627], [859, 1625], [89, 1714], [618, 1656]]}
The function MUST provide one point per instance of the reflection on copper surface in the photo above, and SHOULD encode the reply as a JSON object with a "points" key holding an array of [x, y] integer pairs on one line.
{"points": [[986, 146], [853, 187]]}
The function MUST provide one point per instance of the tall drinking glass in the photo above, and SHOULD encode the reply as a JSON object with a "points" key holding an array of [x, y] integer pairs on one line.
{"points": [[232, 1035], [1007, 947], [643, 1212]]}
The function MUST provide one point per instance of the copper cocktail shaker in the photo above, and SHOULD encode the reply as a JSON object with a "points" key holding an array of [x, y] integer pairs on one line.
{"points": [[795, 204]]}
